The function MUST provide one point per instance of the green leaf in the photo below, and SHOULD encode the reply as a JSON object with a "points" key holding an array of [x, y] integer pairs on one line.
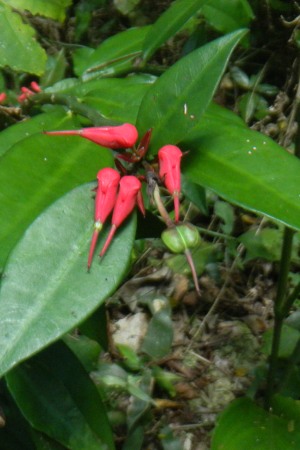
{"points": [[265, 243], [18, 48], [159, 337], [174, 104], [46, 289], [55, 69], [226, 213], [37, 169], [245, 167], [168, 440], [243, 425], [116, 99], [18, 133], [168, 24], [289, 339], [288, 409], [54, 9], [195, 194], [57, 397], [113, 57], [228, 16]]}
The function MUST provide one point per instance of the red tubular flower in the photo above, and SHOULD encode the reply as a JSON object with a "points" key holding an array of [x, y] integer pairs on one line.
{"points": [[169, 158], [106, 194], [122, 136], [127, 198]]}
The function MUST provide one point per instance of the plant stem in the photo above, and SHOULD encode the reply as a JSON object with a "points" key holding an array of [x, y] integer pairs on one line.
{"points": [[161, 209], [279, 311], [283, 300], [73, 105]]}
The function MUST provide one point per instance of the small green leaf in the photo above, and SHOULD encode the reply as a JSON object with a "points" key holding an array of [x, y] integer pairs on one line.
{"points": [[114, 56], [19, 50], [243, 425], [60, 400], [168, 440], [54, 9], [46, 289], [289, 339], [195, 194], [159, 337], [130, 358], [265, 243], [228, 16], [226, 213], [55, 69], [174, 104], [168, 23]]}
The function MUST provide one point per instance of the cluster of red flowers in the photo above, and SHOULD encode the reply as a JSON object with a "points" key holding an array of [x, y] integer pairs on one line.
{"points": [[118, 194], [25, 92]]}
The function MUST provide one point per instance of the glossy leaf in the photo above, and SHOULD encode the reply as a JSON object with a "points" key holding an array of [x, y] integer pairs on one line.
{"points": [[227, 16], [54, 9], [287, 408], [243, 425], [174, 104], [18, 48], [168, 23], [61, 400], [38, 169], [116, 99], [113, 57], [244, 167], [46, 289], [18, 133]]}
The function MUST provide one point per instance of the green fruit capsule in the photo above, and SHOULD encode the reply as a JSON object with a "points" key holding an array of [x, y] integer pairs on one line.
{"points": [[180, 238]]}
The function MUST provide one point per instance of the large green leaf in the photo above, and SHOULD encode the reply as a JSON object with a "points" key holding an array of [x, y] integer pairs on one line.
{"points": [[55, 9], [18, 48], [244, 167], [18, 133], [113, 57], [168, 24], [174, 104], [57, 396], [116, 99], [37, 169], [243, 425], [46, 289]]}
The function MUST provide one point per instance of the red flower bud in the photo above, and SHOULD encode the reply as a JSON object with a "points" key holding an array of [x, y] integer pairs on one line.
{"points": [[106, 194], [130, 187], [27, 91], [2, 97], [169, 158], [35, 86], [122, 136]]}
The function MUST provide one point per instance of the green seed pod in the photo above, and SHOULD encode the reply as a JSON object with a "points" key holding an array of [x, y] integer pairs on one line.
{"points": [[180, 238]]}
